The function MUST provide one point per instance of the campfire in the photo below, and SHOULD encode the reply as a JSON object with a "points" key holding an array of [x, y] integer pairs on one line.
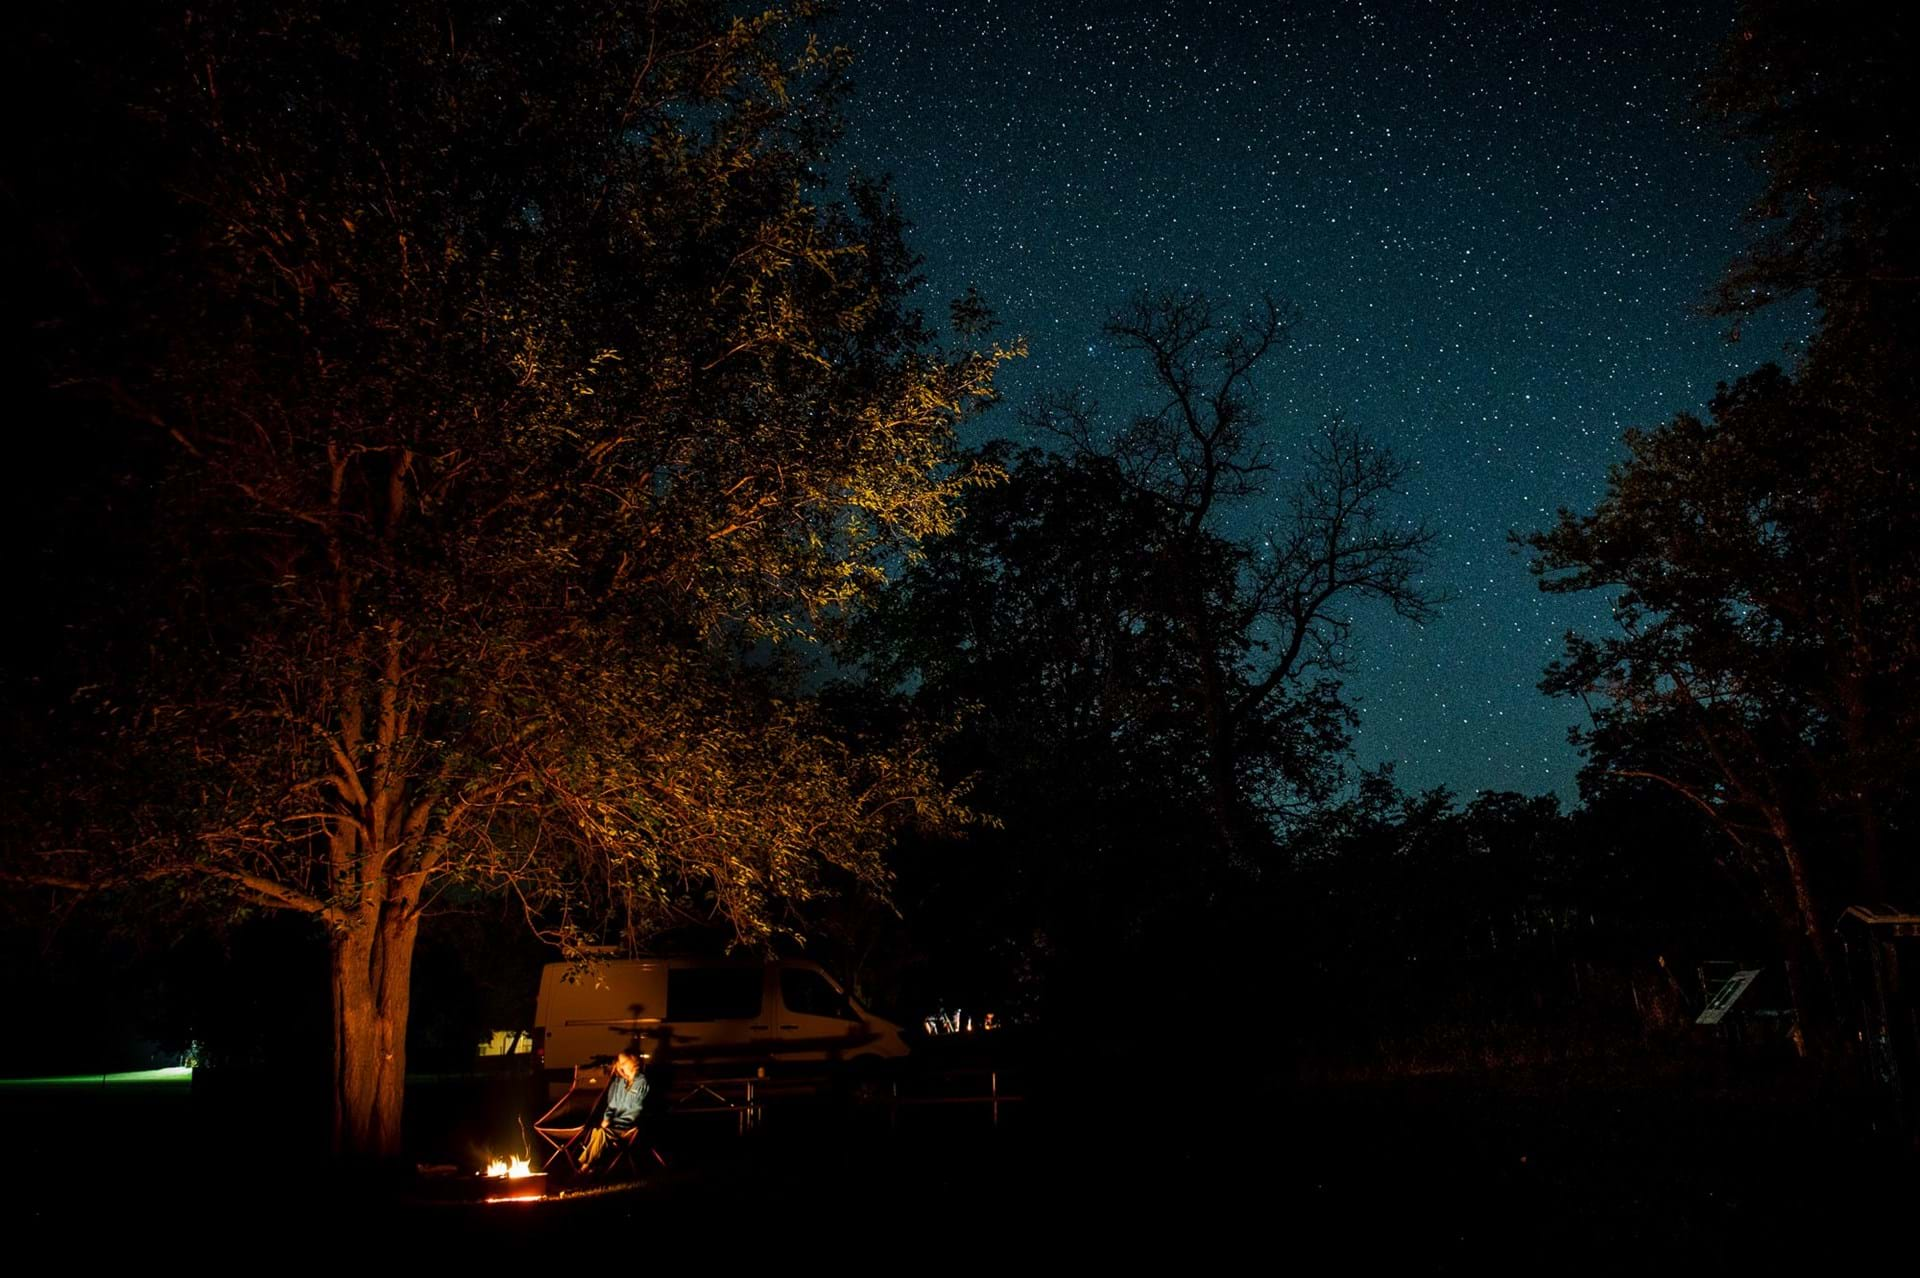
{"points": [[514, 1169], [517, 1181]]}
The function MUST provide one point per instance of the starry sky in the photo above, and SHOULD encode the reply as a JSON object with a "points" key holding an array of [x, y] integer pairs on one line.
{"points": [[1495, 221]]}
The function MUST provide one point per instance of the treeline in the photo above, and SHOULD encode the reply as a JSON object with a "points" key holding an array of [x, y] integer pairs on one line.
{"points": [[1362, 928], [1508, 931]]}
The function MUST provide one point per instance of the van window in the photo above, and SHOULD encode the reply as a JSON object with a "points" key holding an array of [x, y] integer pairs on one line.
{"points": [[809, 994], [713, 993]]}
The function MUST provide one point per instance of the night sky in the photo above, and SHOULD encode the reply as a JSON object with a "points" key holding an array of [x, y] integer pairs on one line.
{"points": [[1494, 221]]}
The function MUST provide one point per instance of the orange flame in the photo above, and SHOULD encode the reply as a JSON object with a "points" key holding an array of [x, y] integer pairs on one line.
{"points": [[514, 1170]]}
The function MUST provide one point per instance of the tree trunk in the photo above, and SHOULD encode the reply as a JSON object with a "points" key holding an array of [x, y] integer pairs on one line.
{"points": [[372, 964], [1853, 700], [1810, 976]]}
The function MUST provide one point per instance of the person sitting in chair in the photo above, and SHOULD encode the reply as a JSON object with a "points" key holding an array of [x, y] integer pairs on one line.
{"points": [[619, 1109]]}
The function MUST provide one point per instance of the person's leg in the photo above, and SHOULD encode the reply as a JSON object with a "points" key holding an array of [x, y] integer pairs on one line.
{"points": [[596, 1144]]}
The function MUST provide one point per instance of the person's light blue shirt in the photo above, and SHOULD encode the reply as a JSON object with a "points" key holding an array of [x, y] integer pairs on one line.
{"points": [[624, 1100]]}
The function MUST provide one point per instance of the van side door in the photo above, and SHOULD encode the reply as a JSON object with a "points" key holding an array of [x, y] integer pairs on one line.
{"points": [[715, 1011]]}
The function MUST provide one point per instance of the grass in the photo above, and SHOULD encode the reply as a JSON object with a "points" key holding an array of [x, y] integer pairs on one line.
{"points": [[172, 1076]]}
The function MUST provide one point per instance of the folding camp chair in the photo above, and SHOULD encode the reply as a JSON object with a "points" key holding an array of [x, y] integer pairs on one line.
{"points": [[623, 1144], [565, 1126]]}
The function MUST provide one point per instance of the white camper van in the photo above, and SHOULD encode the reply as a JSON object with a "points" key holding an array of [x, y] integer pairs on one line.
{"points": [[704, 1011]]}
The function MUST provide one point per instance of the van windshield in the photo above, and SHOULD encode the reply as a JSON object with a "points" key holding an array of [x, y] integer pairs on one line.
{"points": [[810, 994]]}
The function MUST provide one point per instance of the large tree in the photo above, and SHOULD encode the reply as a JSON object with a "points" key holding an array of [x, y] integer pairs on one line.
{"points": [[1765, 569], [1042, 627], [519, 394]]}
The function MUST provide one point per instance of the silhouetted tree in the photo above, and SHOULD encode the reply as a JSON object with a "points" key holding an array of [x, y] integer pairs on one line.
{"points": [[1262, 617], [1045, 629], [1823, 95], [1767, 560], [1767, 572], [1144, 700]]}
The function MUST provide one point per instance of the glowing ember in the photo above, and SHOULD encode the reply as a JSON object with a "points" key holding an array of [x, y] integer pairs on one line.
{"points": [[513, 1170]]}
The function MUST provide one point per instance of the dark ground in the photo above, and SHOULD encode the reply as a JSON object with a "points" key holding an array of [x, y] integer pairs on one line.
{"points": [[1541, 1170]]}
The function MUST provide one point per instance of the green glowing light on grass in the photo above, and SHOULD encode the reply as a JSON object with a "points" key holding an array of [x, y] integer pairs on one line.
{"points": [[171, 1074]]}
